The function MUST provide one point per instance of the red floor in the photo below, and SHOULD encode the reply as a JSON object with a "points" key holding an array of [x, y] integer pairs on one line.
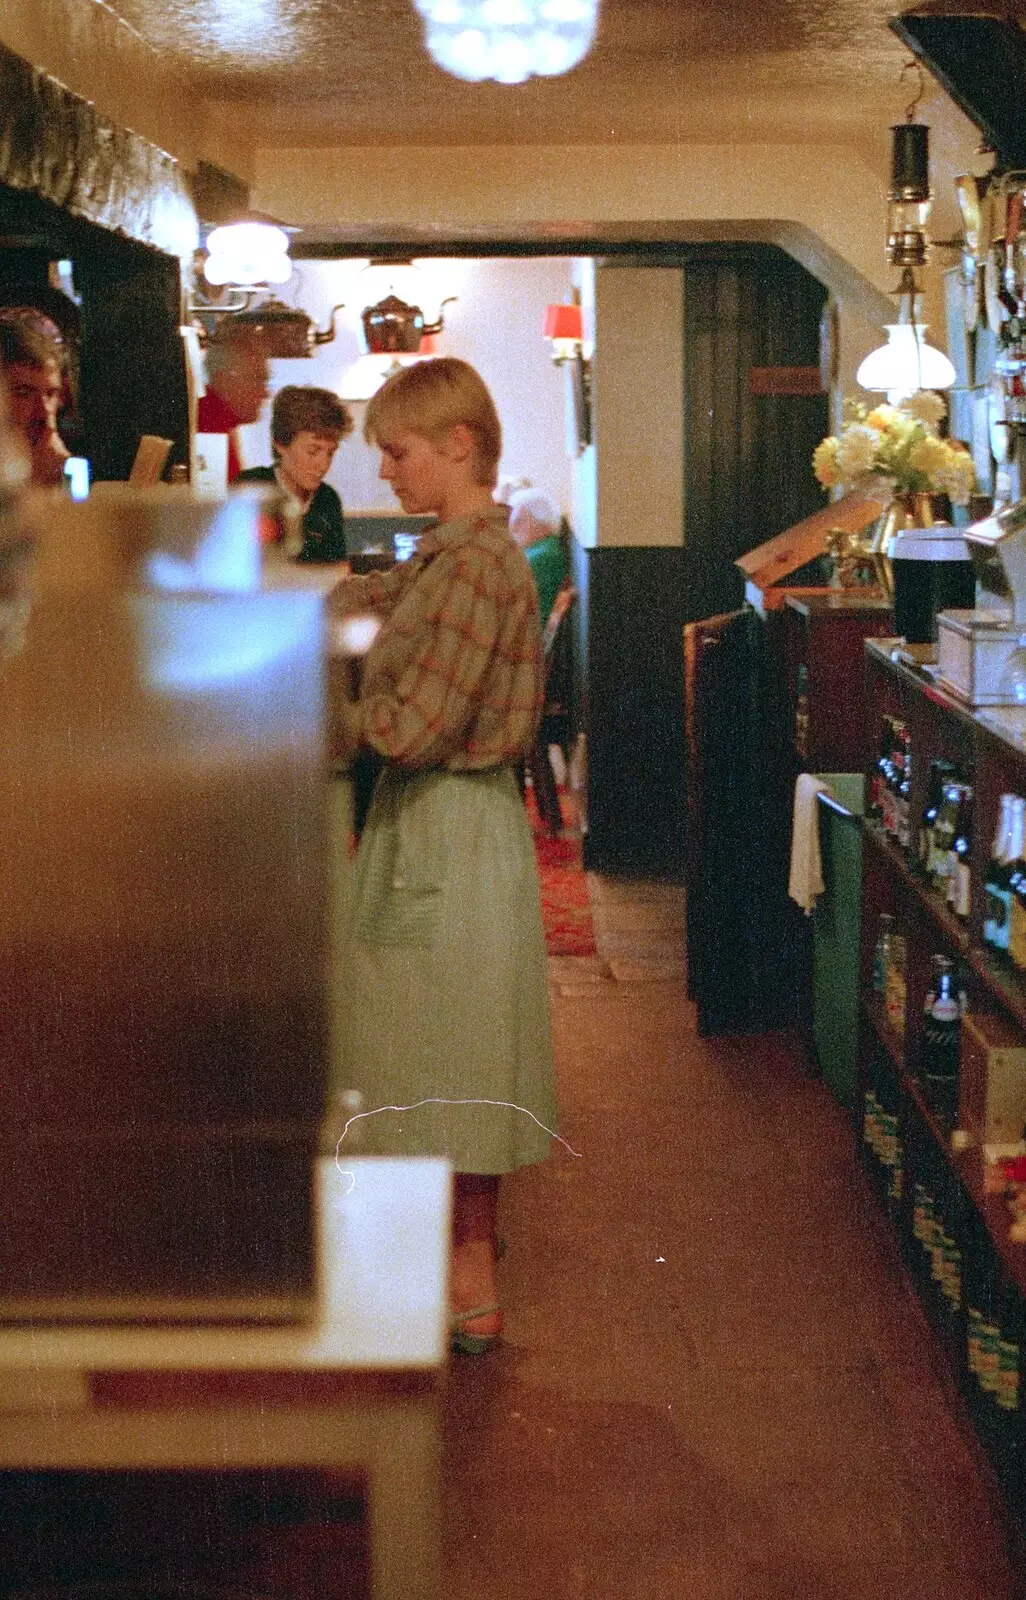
{"points": [[714, 1381]]}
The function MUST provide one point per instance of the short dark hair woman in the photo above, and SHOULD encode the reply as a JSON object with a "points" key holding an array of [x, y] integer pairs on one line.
{"points": [[307, 426]]}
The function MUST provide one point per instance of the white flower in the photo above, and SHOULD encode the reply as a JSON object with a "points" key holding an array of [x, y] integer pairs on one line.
{"points": [[856, 451], [927, 408], [958, 477]]}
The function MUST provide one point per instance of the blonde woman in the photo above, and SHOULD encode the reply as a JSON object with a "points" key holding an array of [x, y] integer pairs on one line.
{"points": [[445, 1010]]}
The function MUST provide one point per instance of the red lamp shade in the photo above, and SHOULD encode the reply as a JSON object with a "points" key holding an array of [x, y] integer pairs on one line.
{"points": [[563, 322]]}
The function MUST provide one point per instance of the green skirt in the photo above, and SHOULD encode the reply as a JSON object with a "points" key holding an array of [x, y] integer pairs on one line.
{"points": [[441, 991]]}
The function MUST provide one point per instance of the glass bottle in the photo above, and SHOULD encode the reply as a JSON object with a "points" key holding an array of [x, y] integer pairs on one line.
{"points": [[1017, 910], [896, 821], [941, 772], [959, 883], [941, 1041], [895, 986], [997, 893], [878, 777], [944, 836], [904, 828], [882, 951], [887, 777]]}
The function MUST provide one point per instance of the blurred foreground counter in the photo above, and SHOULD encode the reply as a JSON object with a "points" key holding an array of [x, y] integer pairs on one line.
{"points": [[162, 918], [287, 1462]]}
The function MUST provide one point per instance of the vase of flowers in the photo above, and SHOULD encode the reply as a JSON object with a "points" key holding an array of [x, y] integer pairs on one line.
{"points": [[898, 447]]}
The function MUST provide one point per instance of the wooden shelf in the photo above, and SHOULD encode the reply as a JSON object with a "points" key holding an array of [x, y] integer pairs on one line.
{"points": [[968, 1164], [877, 1016], [1004, 983]]}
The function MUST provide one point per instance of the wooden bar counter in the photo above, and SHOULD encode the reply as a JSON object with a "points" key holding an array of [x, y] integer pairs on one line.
{"points": [[350, 1397]]}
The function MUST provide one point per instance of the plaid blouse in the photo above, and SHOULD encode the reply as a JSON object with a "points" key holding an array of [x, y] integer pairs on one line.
{"points": [[454, 678]]}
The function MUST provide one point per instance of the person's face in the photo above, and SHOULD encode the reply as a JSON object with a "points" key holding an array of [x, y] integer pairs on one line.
{"points": [[34, 396], [244, 384], [419, 470], [305, 461]]}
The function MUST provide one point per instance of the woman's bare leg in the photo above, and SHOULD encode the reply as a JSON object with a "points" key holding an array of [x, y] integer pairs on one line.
{"points": [[474, 1281]]}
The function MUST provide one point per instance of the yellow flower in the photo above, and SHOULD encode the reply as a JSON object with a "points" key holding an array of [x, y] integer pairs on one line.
{"points": [[824, 461], [882, 417], [929, 456]]}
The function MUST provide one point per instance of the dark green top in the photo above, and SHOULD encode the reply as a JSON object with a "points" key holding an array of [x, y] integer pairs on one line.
{"points": [[548, 567], [324, 536]]}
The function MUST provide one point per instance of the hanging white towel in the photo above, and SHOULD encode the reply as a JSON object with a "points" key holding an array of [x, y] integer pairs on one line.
{"points": [[806, 878]]}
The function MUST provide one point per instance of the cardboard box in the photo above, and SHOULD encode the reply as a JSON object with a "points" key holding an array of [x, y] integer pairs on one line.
{"points": [[992, 1080]]}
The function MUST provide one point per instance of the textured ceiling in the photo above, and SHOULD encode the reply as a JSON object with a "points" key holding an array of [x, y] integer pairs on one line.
{"points": [[356, 72]]}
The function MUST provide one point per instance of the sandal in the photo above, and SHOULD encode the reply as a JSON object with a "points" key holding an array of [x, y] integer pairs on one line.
{"points": [[472, 1344]]}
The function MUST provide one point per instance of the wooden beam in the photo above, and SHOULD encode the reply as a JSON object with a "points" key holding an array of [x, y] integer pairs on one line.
{"points": [[56, 147]]}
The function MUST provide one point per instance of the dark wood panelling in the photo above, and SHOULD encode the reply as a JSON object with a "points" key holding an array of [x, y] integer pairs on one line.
{"points": [[632, 610], [133, 368], [746, 456], [748, 944]]}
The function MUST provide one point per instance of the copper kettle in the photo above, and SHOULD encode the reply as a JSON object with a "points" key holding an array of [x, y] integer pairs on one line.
{"points": [[286, 331], [394, 328]]}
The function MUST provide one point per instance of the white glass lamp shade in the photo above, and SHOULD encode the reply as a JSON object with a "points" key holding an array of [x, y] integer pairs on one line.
{"points": [[508, 40], [905, 364], [248, 253]]}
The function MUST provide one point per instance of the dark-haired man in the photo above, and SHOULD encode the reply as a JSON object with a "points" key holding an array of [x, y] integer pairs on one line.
{"points": [[31, 366], [307, 426]]}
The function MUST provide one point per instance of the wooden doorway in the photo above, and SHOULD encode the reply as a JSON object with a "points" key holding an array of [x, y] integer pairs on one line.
{"points": [[747, 455]]}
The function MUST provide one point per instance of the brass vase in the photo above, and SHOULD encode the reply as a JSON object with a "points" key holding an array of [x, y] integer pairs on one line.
{"points": [[908, 509]]}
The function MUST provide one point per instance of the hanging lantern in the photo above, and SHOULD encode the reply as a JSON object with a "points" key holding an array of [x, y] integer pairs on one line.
{"points": [[909, 202], [508, 40]]}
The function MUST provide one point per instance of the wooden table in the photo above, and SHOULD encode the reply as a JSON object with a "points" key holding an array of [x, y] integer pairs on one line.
{"points": [[357, 1390]]}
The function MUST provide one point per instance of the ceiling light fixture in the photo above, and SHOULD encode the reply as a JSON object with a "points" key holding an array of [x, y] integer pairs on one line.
{"points": [[508, 41], [247, 253]]}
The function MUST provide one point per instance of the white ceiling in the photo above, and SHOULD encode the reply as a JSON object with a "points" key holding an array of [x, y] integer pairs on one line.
{"points": [[314, 72]]}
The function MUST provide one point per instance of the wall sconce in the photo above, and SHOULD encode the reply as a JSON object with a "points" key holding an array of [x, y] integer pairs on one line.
{"points": [[508, 41], [564, 325]]}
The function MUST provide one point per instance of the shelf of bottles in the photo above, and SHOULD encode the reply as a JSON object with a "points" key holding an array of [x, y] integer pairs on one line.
{"points": [[944, 961]]}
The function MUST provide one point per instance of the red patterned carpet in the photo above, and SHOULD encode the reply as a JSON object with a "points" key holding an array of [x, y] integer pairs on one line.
{"points": [[566, 909]]}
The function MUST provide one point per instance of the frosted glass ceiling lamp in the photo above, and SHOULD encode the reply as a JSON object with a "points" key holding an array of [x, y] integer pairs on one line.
{"points": [[508, 41], [905, 364], [247, 253]]}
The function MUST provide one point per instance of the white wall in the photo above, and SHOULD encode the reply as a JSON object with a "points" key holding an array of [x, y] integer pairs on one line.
{"points": [[639, 405], [496, 325], [826, 194]]}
